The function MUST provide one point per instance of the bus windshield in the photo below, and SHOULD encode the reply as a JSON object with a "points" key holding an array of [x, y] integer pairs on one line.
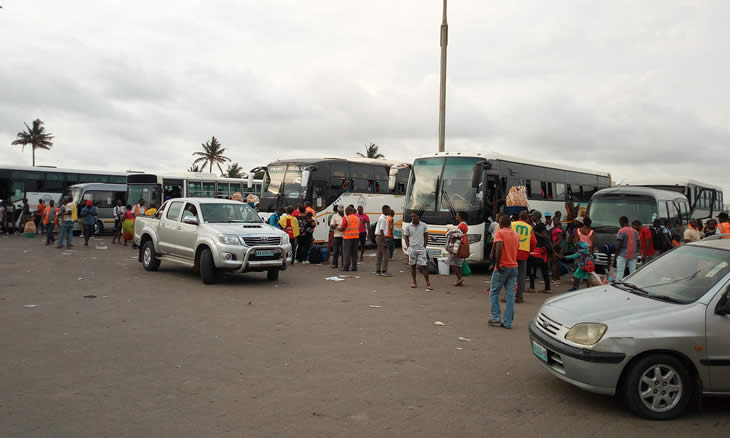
{"points": [[453, 177], [151, 193], [290, 175], [606, 212]]}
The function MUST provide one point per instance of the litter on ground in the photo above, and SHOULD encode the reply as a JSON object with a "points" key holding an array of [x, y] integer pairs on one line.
{"points": [[461, 338], [30, 306], [459, 348], [89, 296], [439, 323], [334, 279], [373, 306]]}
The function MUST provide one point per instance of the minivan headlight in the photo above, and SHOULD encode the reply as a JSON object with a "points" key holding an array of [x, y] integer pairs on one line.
{"points": [[229, 239], [586, 333]]}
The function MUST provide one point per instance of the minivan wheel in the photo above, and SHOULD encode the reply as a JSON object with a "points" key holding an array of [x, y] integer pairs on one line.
{"points": [[272, 275], [209, 274], [149, 258], [98, 228], [658, 387]]}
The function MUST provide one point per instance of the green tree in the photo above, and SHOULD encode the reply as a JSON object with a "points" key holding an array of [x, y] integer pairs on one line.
{"points": [[194, 168], [36, 137], [212, 153], [234, 171], [371, 151]]}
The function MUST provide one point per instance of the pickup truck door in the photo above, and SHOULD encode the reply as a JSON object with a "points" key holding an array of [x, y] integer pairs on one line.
{"points": [[187, 234], [169, 225], [718, 344]]}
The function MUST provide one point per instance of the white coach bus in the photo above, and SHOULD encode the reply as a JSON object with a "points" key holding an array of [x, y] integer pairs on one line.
{"points": [[477, 184], [327, 182]]}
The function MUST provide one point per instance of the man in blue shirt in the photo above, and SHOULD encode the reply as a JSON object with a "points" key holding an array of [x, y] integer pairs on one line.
{"points": [[274, 218], [88, 218]]}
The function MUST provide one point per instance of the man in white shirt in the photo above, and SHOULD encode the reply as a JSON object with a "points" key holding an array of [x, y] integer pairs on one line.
{"points": [[335, 225], [416, 238], [549, 221], [382, 256]]}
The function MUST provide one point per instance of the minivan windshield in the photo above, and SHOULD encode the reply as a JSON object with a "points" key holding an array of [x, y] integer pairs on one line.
{"points": [[605, 212], [682, 275], [229, 213]]}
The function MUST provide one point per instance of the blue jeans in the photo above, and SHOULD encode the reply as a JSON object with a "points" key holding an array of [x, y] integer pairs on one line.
{"points": [[67, 231], [621, 263], [508, 279], [49, 232]]}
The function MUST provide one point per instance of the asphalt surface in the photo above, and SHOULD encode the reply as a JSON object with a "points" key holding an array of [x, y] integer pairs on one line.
{"points": [[160, 354]]}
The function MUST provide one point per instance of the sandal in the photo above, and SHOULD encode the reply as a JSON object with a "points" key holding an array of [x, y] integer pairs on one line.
{"points": [[414, 285], [429, 288], [459, 283]]}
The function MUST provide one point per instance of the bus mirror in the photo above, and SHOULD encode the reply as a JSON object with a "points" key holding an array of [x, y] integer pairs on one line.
{"points": [[476, 175], [306, 173], [249, 183]]}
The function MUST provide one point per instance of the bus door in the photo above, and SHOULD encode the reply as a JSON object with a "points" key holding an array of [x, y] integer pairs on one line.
{"points": [[319, 191]]}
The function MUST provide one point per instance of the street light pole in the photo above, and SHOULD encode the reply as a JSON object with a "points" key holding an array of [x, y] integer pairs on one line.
{"points": [[442, 97]]}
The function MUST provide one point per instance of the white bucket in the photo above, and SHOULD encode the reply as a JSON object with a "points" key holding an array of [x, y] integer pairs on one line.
{"points": [[443, 264]]}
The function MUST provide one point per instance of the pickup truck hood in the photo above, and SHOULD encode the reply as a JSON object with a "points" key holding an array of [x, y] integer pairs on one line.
{"points": [[603, 304], [246, 229]]}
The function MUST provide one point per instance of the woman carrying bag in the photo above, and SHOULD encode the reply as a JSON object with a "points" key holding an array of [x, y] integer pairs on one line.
{"points": [[458, 247]]}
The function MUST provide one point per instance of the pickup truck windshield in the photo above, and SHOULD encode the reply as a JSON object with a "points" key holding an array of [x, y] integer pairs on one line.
{"points": [[229, 213]]}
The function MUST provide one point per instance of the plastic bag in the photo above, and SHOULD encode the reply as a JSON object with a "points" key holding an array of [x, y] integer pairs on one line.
{"points": [[517, 197], [465, 269]]}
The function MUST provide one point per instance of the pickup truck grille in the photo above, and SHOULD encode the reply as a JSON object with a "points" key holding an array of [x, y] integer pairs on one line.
{"points": [[263, 240]]}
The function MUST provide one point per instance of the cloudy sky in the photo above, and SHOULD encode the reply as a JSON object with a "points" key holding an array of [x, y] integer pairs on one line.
{"points": [[639, 89]]}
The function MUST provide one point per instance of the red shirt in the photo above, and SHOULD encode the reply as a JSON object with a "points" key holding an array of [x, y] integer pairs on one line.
{"points": [[647, 243], [510, 242], [464, 229]]}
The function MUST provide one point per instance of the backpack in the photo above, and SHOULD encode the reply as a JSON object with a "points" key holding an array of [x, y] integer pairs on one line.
{"points": [[659, 239], [588, 264], [315, 255]]}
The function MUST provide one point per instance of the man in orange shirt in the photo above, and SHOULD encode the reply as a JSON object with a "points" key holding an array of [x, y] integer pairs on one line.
{"points": [[506, 244], [351, 237], [39, 210]]}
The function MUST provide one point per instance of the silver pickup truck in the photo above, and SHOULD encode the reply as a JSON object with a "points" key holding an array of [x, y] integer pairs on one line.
{"points": [[211, 236]]}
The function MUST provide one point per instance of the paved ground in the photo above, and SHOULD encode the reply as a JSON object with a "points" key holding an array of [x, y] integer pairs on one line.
{"points": [[160, 354]]}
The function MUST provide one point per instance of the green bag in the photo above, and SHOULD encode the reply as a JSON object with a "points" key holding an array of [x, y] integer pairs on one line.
{"points": [[465, 269]]}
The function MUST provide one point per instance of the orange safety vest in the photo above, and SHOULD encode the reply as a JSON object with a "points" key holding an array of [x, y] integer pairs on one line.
{"points": [[137, 209], [47, 212], [724, 229], [353, 228], [388, 227], [40, 209]]}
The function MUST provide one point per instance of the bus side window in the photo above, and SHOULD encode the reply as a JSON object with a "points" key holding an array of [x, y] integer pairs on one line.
{"points": [[559, 191]]}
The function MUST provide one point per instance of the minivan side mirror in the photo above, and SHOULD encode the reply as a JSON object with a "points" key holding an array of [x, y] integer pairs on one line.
{"points": [[723, 307]]}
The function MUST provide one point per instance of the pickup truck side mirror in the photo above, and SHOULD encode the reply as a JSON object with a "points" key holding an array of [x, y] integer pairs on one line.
{"points": [[190, 220]]}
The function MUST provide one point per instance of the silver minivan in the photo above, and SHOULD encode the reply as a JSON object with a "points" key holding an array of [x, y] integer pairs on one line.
{"points": [[660, 339]]}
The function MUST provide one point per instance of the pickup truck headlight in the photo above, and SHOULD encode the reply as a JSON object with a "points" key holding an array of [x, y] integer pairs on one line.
{"points": [[473, 238], [285, 239], [586, 333], [229, 239]]}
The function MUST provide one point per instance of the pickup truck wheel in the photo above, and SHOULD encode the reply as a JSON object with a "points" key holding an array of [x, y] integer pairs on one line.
{"points": [[272, 274], [209, 274], [658, 387], [149, 258]]}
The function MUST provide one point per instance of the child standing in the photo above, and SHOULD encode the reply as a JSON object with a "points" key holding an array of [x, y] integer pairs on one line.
{"points": [[585, 265]]}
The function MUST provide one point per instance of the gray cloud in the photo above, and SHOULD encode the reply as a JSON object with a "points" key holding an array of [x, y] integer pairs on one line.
{"points": [[632, 88]]}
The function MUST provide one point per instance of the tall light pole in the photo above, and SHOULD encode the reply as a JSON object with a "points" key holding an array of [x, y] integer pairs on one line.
{"points": [[442, 97]]}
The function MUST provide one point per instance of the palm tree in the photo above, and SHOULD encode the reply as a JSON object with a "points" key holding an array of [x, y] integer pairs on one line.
{"points": [[234, 171], [371, 152], [36, 137], [194, 168], [212, 154]]}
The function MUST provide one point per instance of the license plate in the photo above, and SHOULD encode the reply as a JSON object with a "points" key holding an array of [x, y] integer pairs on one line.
{"points": [[264, 253], [434, 252], [539, 351]]}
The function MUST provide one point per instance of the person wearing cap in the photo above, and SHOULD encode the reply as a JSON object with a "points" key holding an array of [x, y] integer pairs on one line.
{"points": [[535, 217], [723, 225], [548, 221], [88, 218]]}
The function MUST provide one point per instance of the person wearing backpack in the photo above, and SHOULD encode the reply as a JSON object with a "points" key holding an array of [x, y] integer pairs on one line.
{"points": [[661, 237], [586, 265], [626, 249]]}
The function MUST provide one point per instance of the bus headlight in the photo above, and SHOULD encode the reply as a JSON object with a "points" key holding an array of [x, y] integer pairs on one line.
{"points": [[473, 238], [229, 239]]}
